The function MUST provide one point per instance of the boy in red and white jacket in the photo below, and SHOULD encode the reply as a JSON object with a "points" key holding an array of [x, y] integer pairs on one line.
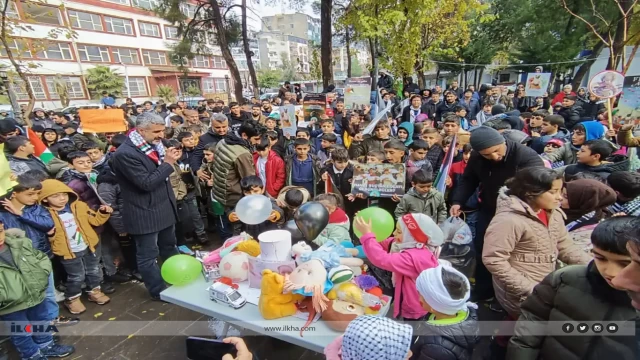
{"points": [[269, 167]]}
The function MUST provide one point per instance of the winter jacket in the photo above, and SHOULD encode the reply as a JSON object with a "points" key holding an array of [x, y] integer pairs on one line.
{"points": [[435, 155], [317, 140], [492, 175], [444, 108], [79, 140], [80, 185], [591, 109], [405, 265], [519, 250], [430, 109], [369, 144], [568, 153], [210, 137], [409, 127], [602, 170], [444, 341], [473, 107], [109, 191], [337, 230], [20, 166], [35, 221], [25, 286], [316, 165], [432, 204], [406, 114], [274, 172], [625, 137], [86, 220], [560, 97], [233, 161], [538, 143], [56, 167], [572, 116], [572, 294]]}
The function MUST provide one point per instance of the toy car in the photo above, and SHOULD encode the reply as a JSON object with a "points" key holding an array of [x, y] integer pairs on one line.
{"points": [[220, 292]]}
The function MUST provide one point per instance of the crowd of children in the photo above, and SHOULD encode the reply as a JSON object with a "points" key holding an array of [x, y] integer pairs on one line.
{"points": [[68, 213]]}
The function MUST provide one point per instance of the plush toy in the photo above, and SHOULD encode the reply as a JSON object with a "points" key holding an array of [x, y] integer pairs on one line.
{"points": [[273, 304], [306, 305], [235, 266], [310, 279], [227, 281], [340, 274], [330, 253], [229, 245], [351, 293], [339, 314], [251, 247]]}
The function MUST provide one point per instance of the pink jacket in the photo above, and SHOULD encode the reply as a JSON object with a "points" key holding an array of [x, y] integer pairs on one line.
{"points": [[405, 266], [333, 351]]}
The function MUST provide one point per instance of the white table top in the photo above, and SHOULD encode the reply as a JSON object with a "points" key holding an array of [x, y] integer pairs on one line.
{"points": [[194, 296]]}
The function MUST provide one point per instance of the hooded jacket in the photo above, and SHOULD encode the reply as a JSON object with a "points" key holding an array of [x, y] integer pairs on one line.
{"points": [[372, 143], [274, 172], [109, 191], [20, 166], [233, 161], [431, 204], [572, 115], [572, 294], [25, 286], [409, 127], [602, 170], [519, 250], [442, 341], [210, 137], [337, 230], [538, 143], [86, 219], [568, 153], [35, 221]]}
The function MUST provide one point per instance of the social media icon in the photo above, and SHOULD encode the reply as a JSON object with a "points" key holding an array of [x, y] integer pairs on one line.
{"points": [[567, 328], [597, 328], [612, 328], [583, 328]]}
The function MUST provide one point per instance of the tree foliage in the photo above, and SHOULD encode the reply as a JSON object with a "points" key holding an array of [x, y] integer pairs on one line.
{"points": [[166, 93], [268, 79], [356, 68], [102, 78]]}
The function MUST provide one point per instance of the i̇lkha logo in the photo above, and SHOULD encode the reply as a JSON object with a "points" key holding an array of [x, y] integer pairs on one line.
{"points": [[33, 329]]}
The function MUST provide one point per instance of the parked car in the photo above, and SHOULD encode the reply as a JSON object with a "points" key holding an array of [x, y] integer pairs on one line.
{"points": [[268, 96]]}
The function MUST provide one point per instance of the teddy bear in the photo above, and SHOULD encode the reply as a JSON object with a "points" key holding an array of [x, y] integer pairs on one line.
{"points": [[273, 304]]}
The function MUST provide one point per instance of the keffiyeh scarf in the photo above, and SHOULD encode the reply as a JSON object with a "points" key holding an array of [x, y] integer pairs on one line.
{"points": [[155, 153]]}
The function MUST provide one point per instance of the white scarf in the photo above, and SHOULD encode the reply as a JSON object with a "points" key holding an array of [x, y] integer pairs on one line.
{"points": [[430, 286]]}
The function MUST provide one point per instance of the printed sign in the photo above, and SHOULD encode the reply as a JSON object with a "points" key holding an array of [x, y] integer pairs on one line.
{"points": [[288, 119], [606, 84], [537, 84], [102, 120], [257, 265], [629, 104], [357, 93], [314, 106], [379, 180]]}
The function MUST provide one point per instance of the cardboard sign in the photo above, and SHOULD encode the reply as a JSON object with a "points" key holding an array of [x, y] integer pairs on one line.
{"points": [[314, 106], [102, 120], [606, 84], [537, 84], [629, 104], [288, 120], [379, 180], [357, 93]]}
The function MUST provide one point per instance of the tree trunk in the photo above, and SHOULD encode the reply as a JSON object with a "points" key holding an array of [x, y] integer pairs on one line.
{"points": [[347, 40], [480, 78], [630, 58], [247, 51], [438, 76], [326, 7], [374, 65], [584, 68], [226, 52], [19, 116]]}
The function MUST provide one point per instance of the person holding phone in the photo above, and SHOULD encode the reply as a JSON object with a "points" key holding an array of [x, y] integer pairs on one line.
{"points": [[243, 352], [231, 348]]}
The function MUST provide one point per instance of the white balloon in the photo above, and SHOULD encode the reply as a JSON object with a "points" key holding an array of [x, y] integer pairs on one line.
{"points": [[253, 209]]}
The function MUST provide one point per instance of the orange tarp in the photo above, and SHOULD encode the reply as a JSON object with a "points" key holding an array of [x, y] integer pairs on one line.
{"points": [[102, 120]]}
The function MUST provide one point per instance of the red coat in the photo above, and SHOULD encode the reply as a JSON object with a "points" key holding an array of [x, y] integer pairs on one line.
{"points": [[558, 98], [274, 171]]}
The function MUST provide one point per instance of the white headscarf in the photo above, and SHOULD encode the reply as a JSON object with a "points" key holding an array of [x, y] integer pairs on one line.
{"points": [[427, 226], [431, 287]]}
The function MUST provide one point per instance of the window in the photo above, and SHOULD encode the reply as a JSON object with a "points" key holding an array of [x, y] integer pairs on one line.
{"points": [[137, 86], [188, 10], [19, 48], [148, 29], [200, 61], [219, 63], [41, 14], [74, 87], [12, 10], [36, 86], [56, 51], [504, 77], [94, 53], [126, 56], [221, 85], [123, 2], [145, 4], [154, 57], [87, 21], [208, 85], [118, 26], [171, 32]]}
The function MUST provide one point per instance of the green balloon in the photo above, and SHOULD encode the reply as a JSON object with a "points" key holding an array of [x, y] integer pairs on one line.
{"points": [[180, 269], [381, 221]]}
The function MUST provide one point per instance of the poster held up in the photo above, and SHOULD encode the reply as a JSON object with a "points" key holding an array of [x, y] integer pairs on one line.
{"points": [[537, 84], [288, 120], [314, 106], [357, 93], [379, 180]]}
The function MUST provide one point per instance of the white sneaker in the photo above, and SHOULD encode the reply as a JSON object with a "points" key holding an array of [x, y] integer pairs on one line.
{"points": [[59, 296]]}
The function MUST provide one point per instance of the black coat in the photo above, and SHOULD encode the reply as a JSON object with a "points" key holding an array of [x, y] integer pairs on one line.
{"points": [[572, 116], [492, 175], [590, 110], [210, 137], [430, 108], [149, 203], [406, 114], [446, 342], [444, 108]]}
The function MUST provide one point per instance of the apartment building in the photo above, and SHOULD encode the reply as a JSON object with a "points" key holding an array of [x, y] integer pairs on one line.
{"points": [[298, 24], [122, 34], [274, 45]]}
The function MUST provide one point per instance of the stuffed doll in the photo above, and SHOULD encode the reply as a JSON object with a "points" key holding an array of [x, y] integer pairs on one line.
{"points": [[273, 304], [229, 245], [331, 254], [351, 293], [339, 313], [310, 279]]}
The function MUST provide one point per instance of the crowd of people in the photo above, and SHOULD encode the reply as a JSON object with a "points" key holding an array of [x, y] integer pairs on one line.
{"points": [[541, 184]]}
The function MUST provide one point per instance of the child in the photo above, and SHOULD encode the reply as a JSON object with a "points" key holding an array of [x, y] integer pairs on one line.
{"points": [[326, 127], [451, 329], [457, 168], [303, 168], [277, 142], [340, 174], [583, 293], [337, 230], [626, 184], [82, 178], [176, 121], [582, 132], [301, 133], [252, 185], [409, 252], [375, 157], [591, 158], [184, 226], [405, 132], [451, 126], [422, 198], [483, 115], [381, 134], [96, 154], [435, 154], [551, 146], [213, 217], [461, 112], [75, 242], [24, 282], [290, 198], [326, 143], [417, 157], [269, 167]]}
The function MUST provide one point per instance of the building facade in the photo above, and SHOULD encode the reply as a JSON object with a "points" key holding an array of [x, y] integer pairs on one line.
{"points": [[124, 35], [274, 46], [297, 24]]}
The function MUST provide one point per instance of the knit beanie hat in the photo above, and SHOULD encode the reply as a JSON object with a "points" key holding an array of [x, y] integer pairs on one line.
{"points": [[371, 337], [498, 109], [485, 137]]}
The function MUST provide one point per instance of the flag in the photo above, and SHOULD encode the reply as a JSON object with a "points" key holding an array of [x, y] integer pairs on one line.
{"points": [[41, 150], [441, 178]]}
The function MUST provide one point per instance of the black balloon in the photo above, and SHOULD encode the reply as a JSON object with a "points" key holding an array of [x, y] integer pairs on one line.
{"points": [[292, 228], [311, 218]]}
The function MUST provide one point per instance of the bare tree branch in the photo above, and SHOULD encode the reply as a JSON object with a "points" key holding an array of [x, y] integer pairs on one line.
{"points": [[224, 16], [597, 14], [589, 25]]}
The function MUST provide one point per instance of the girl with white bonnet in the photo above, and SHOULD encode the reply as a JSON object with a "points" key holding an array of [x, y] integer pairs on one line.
{"points": [[411, 250], [450, 332]]}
